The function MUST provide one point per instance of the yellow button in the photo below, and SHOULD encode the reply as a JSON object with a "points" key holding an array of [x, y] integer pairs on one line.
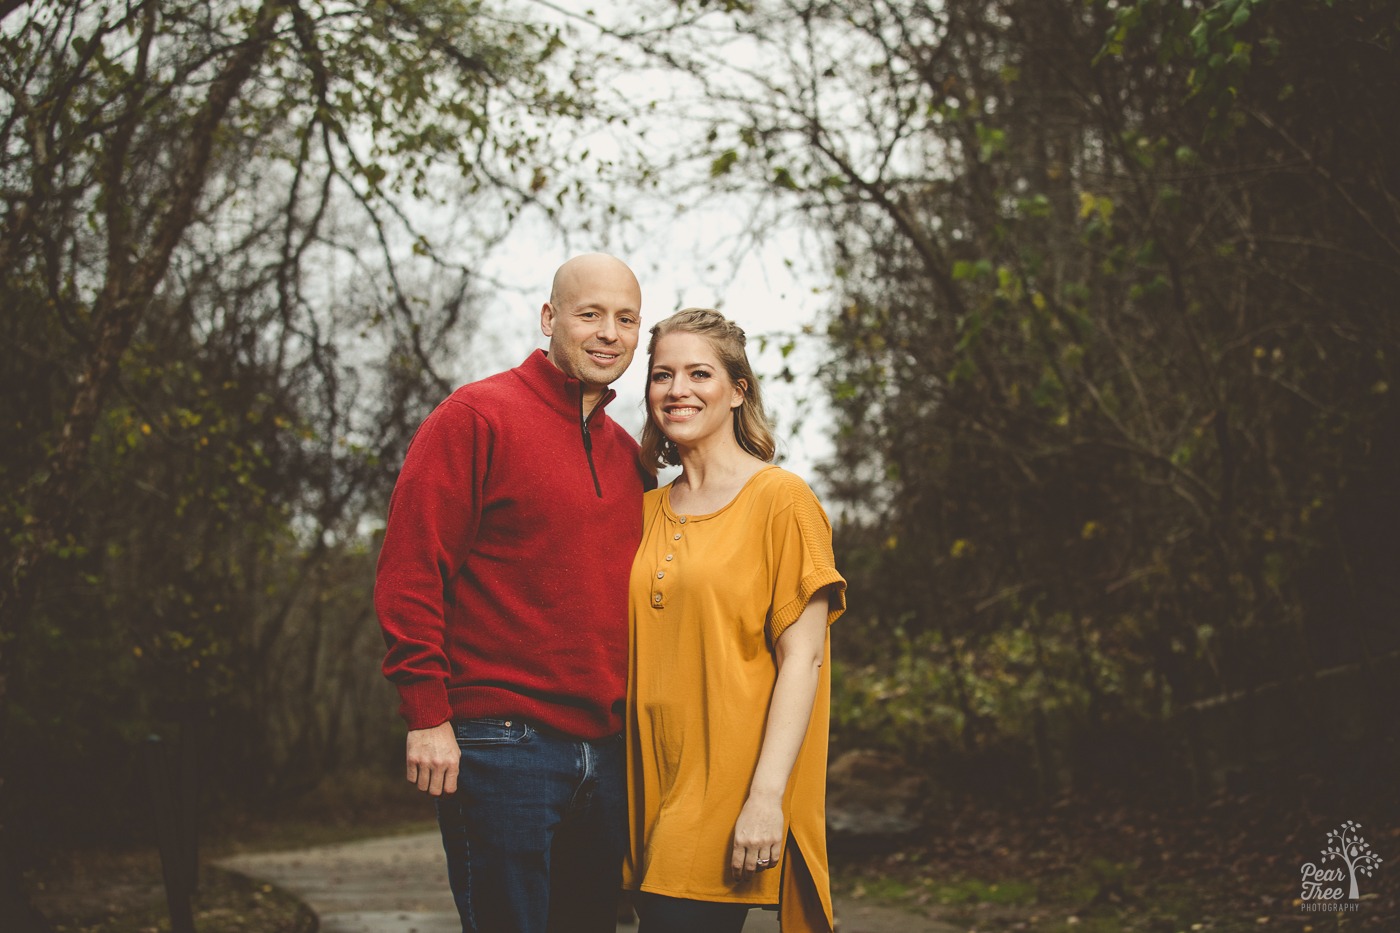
{"points": [[678, 536], [682, 519], [669, 556], [656, 598], [660, 574]]}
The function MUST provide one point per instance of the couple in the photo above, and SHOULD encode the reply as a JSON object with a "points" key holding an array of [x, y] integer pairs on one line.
{"points": [[525, 540]]}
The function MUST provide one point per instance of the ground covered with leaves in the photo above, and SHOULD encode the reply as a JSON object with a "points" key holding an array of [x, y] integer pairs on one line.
{"points": [[119, 889], [1095, 866], [121, 892], [1091, 864]]}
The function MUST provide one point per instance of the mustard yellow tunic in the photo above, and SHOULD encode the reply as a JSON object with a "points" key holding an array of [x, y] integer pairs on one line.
{"points": [[709, 596]]}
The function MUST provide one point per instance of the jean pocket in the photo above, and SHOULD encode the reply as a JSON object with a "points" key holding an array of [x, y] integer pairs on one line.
{"points": [[477, 733]]}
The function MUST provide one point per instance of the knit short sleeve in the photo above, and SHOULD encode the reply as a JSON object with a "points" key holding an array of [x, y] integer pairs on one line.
{"points": [[802, 558]]}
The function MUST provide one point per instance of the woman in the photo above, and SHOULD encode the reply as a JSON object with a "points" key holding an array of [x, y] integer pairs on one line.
{"points": [[731, 595]]}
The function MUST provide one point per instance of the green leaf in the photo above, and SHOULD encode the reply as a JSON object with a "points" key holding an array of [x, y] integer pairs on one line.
{"points": [[724, 163]]}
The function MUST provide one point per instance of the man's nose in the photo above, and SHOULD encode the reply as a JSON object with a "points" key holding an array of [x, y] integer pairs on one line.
{"points": [[607, 329]]}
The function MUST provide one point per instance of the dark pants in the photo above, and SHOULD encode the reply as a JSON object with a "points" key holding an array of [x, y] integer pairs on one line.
{"points": [[536, 832], [660, 914]]}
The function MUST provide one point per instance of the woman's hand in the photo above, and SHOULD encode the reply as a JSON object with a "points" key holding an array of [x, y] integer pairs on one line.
{"points": [[758, 835]]}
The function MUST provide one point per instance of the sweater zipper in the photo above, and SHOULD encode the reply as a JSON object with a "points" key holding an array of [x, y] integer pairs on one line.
{"points": [[588, 444]]}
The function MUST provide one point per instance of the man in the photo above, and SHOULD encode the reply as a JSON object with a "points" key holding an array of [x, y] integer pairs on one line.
{"points": [[502, 593]]}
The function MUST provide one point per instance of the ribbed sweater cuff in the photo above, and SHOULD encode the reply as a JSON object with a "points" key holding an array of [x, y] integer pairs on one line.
{"points": [[424, 704]]}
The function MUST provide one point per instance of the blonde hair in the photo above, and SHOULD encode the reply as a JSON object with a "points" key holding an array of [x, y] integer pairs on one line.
{"points": [[751, 426]]}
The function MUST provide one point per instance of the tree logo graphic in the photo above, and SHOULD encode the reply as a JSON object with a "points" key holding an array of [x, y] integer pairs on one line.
{"points": [[1322, 883], [1344, 843]]}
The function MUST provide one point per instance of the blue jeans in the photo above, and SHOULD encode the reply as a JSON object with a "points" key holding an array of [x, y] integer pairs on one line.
{"points": [[536, 832]]}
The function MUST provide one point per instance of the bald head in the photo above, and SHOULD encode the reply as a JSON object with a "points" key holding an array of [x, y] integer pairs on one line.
{"points": [[593, 320], [582, 269]]}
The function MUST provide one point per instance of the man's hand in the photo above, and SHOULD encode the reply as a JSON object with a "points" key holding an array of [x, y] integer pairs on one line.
{"points": [[434, 759]]}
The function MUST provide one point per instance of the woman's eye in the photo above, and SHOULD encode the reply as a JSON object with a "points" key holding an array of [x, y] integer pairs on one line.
{"points": [[659, 377]]}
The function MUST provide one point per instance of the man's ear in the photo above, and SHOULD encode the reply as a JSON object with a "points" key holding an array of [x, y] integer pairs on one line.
{"points": [[547, 319]]}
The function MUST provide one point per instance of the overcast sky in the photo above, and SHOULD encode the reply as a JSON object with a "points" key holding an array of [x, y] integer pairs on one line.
{"points": [[774, 289]]}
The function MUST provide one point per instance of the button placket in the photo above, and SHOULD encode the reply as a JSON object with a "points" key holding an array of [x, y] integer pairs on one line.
{"points": [[658, 599]]}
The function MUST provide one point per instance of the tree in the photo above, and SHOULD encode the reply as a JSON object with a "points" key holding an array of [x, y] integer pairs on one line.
{"points": [[239, 240], [1113, 353]]}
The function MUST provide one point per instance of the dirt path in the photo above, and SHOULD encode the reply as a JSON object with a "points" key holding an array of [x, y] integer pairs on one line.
{"points": [[399, 885]]}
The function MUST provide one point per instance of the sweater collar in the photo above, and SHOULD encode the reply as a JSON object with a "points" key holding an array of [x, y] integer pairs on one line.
{"points": [[562, 393]]}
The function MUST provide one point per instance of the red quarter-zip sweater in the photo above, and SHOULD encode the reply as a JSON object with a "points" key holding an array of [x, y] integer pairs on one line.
{"points": [[502, 582]]}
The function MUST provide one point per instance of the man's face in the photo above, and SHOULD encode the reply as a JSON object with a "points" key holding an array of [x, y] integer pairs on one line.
{"points": [[593, 321]]}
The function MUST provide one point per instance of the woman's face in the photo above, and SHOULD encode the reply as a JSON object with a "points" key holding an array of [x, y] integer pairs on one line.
{"points": [[689, 394]]}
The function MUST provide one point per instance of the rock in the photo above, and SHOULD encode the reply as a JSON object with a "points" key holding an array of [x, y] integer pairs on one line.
{"points": [[873, 801]]}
